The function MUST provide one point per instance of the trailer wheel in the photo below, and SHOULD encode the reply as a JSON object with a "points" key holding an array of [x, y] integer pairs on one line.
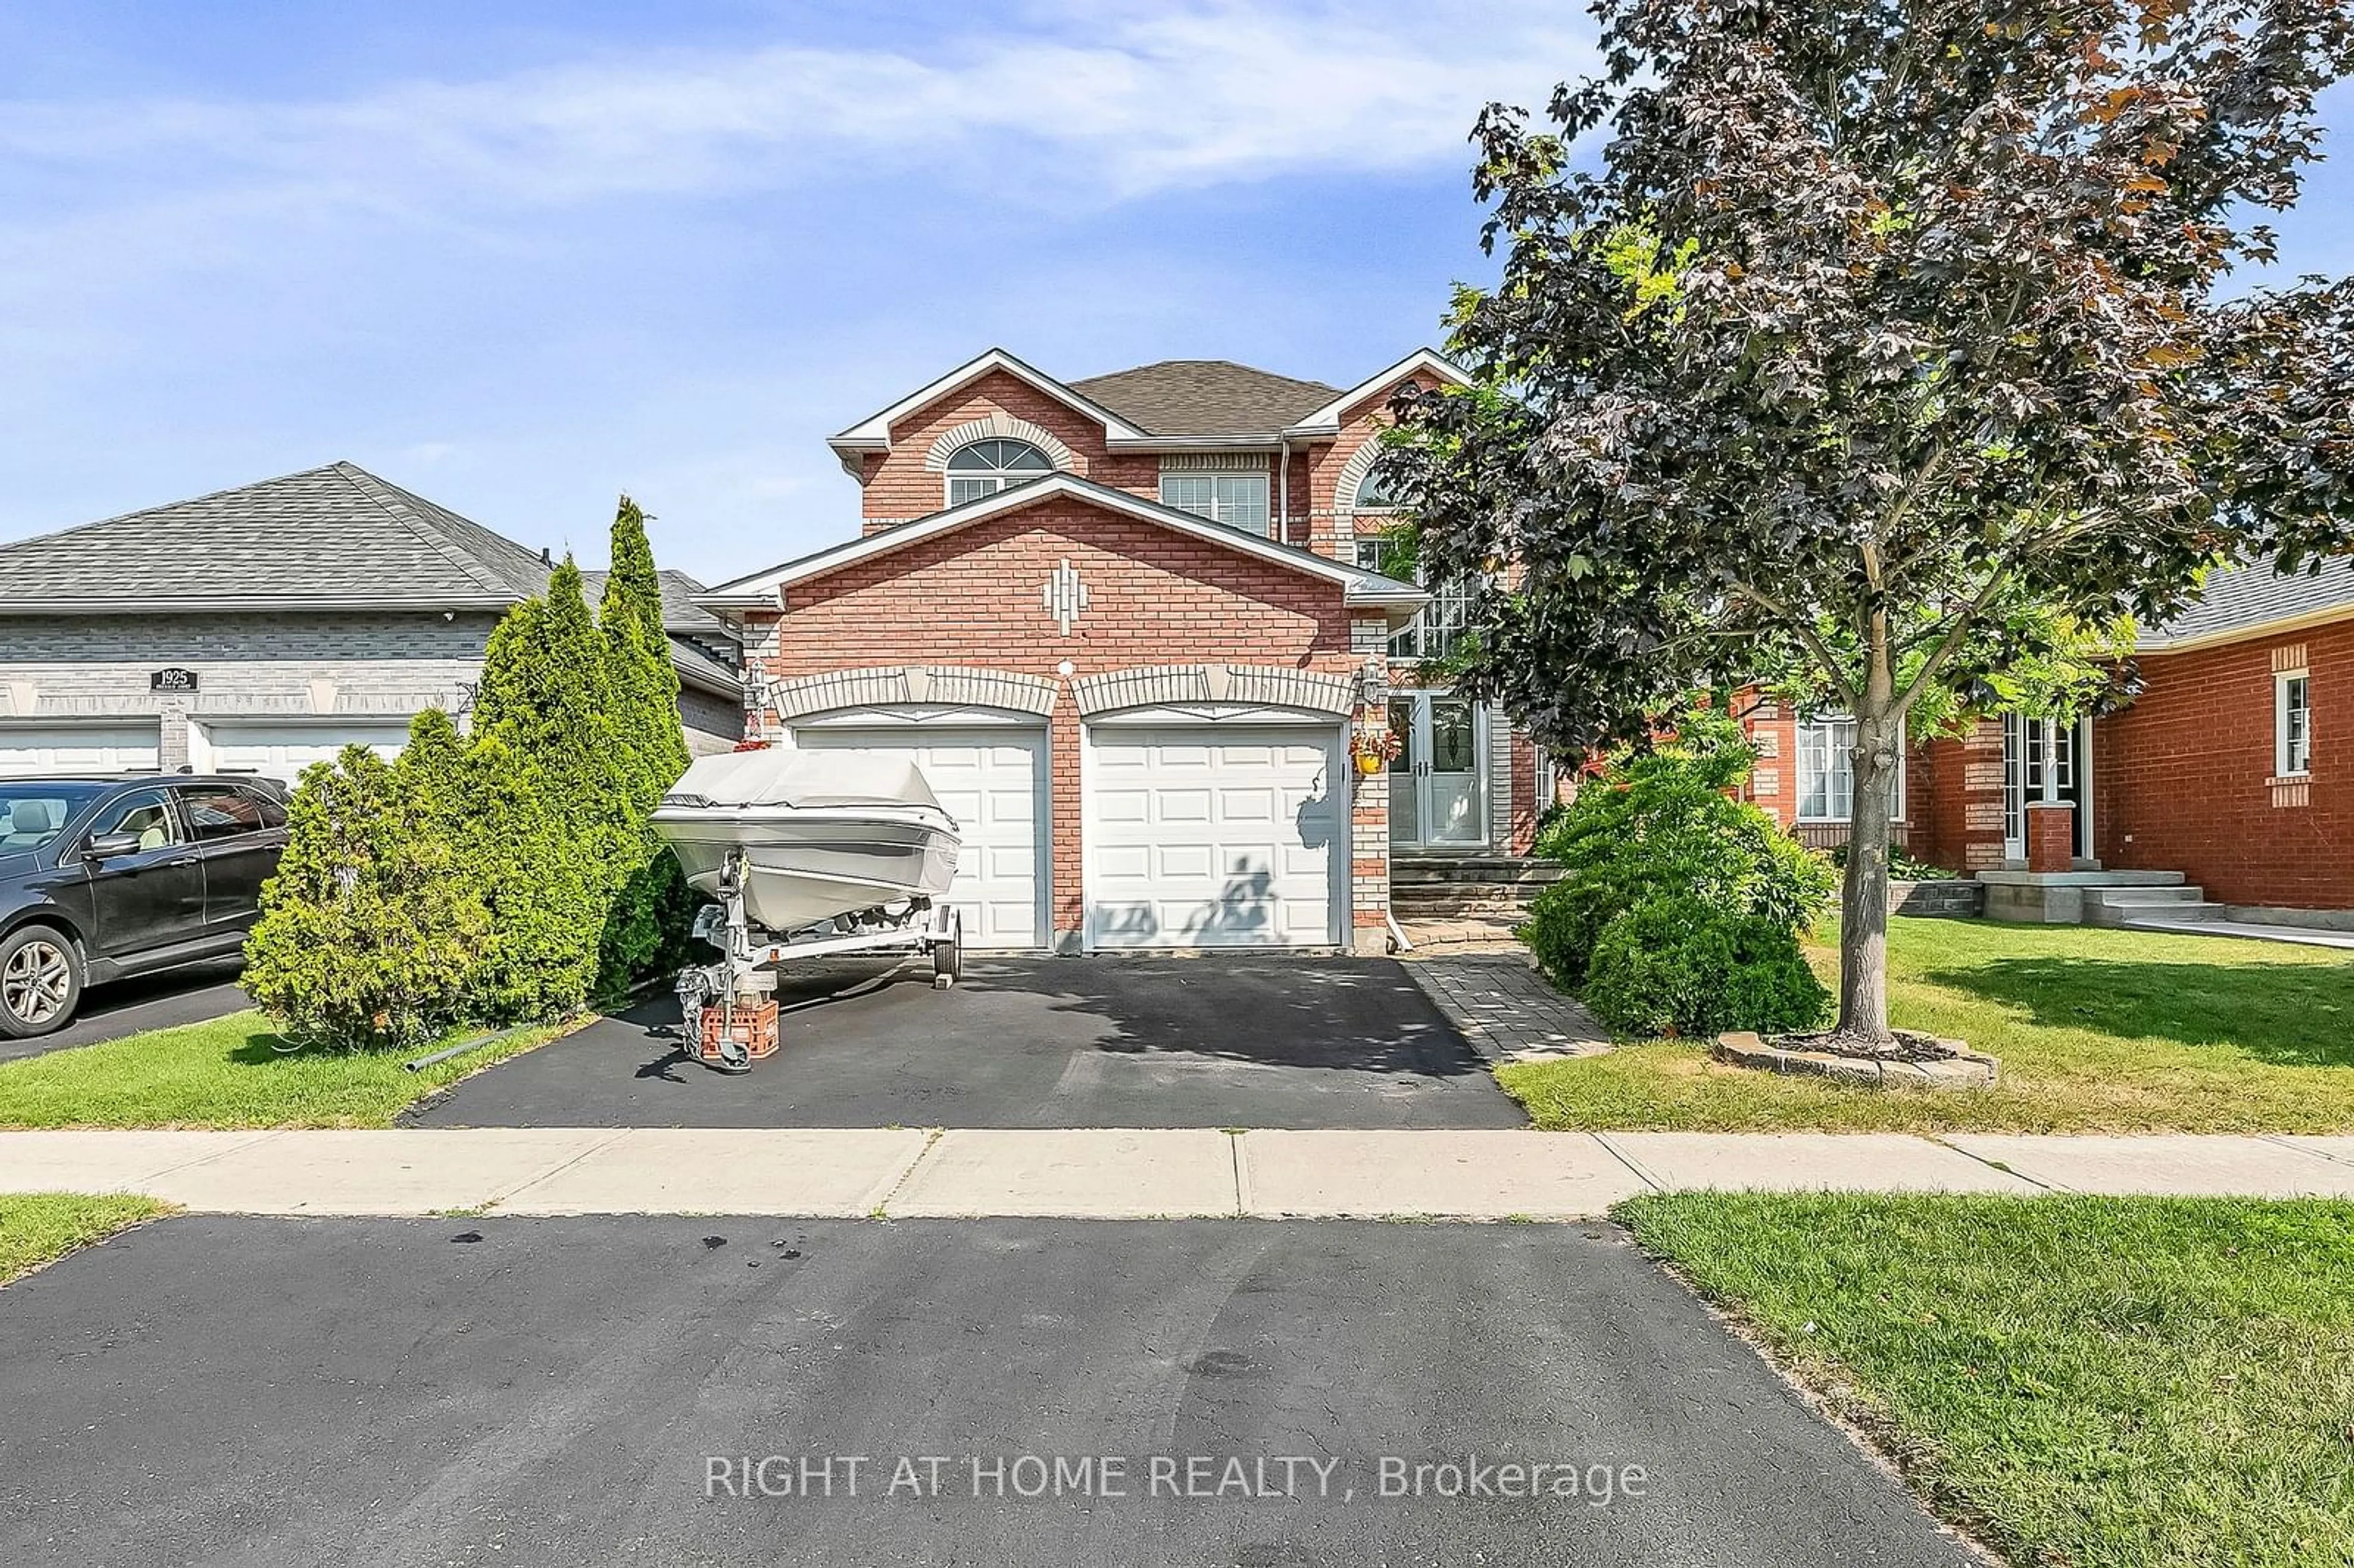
{"points": [[947, 954]]}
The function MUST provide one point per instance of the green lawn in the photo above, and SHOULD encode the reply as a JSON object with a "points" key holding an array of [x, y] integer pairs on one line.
{"points": [[227, 1073], [2098, 1030], [2099, 1383], [40, 1227]]}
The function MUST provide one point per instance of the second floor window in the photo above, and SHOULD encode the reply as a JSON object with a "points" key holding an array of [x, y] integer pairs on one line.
{"points": [[984, 468], [1238, 500], [1372, 495]]}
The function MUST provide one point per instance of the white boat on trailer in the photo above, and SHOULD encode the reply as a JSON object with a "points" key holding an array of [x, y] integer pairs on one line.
{"points": [[809, 854], [821, 833]]}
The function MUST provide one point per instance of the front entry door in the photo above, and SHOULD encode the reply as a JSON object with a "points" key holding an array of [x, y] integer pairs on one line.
{"points": [[2044, 759], [1435, 784]]}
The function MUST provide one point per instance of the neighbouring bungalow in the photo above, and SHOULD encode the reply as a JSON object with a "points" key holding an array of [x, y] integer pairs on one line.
{"points": [[261, 629]]}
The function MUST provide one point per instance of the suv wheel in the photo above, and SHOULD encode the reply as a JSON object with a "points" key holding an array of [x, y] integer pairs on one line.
{"points": [[40, 981]]}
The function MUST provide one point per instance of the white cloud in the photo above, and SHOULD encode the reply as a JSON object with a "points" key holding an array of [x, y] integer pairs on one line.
{"points": [[1128, 103]]}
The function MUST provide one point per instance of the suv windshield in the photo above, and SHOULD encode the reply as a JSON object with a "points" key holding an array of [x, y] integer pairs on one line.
{"points": [[32, 814]]}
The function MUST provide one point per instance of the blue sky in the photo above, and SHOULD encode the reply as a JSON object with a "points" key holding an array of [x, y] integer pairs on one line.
{"points": [[519, 257]]}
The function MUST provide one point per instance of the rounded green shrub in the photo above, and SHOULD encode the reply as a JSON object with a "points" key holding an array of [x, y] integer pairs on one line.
{"points": [[1676, 965], [1665, 823]]}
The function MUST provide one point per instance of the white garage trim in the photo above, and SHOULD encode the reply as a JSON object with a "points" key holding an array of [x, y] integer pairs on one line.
{"points": [[281, 748], [913, 716], [31, 747], [1173, 902], [966, 758]]}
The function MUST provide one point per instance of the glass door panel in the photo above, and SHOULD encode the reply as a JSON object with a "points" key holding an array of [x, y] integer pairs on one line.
{"points": [[1450, 804]]}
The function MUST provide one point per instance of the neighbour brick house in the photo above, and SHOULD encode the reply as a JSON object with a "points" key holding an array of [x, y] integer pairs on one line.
{"points": [[2221, 775], [1129, 626]]}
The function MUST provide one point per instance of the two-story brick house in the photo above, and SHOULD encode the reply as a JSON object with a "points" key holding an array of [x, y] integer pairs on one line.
{"points": [[1128, 625]]}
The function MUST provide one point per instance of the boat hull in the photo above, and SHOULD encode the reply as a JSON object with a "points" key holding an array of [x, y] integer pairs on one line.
{"points": [[806, 866]]}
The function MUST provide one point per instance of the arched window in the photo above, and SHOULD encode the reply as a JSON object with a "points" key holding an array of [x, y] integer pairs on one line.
{"points": [[1372, 495], [985, 466]]}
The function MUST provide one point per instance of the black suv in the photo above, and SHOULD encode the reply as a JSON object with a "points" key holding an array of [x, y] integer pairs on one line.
{"points": [[100, 878]]}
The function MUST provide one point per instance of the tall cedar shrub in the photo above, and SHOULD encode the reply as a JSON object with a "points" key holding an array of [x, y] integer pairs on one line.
{"points": [[491, 877], [368, 929], [644, 928], [1664, 823], [550, 811], [544, 897]]}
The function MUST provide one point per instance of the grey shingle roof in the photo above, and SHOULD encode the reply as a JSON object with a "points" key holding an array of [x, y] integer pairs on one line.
{"points": [[1205, 398], [681, 615], [336, 536], [698, 667], [2241, 598]]}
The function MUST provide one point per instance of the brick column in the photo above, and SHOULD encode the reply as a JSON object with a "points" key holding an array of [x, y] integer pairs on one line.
{"points": [[1369, 800], [2050, 835], [1980, 798]]}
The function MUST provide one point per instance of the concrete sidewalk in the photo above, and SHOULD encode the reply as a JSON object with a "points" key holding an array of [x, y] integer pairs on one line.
{"points": [[902, 1172]]}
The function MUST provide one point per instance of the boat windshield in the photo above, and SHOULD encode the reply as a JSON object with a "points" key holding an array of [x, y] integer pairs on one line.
{"points": [[32, 814]]}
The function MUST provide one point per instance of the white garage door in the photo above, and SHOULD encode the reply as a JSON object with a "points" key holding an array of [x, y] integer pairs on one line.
{"points": [[283, 750], [90, 745], [994, 782], [1207, 836]]}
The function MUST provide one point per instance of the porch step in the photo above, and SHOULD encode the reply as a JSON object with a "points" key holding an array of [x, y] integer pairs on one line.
{"points": [[1495, 870], [1451, 886], [2176, 904], [1427, 900]]}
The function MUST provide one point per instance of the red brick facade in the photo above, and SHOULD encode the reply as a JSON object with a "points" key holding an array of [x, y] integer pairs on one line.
{"points": [[1157, 596], [2184, 780], [971, 598]]}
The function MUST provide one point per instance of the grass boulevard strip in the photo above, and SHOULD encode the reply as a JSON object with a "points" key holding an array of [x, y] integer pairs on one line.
{"points": [[38, 1228], [2098, 1030], [2104, 1383], [229, 1073]]}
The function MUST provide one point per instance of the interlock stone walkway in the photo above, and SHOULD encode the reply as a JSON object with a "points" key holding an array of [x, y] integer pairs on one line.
{"points": [[1508, 1010]]}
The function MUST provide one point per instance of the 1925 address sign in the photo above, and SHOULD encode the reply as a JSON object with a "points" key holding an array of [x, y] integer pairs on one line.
{"points": [[171, 681]]}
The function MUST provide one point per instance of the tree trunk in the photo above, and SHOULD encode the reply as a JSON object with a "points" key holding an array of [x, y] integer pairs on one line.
{"points": [[1863, 897]]}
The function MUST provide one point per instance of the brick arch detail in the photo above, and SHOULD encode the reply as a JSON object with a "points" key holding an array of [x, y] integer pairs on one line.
{"points": [[892, 686], [1352, 473], [1000, 423], [1250, 685]]}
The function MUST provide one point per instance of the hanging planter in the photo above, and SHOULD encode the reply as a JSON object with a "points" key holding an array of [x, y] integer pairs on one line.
{"points": [[1374, 749]]}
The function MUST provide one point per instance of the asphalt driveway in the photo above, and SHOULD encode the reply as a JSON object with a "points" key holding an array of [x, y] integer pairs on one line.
{"points": [[134, 1006], [409, 1391], [1112, 1042]]}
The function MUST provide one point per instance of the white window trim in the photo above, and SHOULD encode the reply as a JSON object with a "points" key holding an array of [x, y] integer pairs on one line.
{"points": [[997, 479], [2281, 768], [1423, 627], [1263, 524], [1798, 745]]}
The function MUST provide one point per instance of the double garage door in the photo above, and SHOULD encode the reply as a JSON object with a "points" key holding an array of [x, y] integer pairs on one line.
{"points": [[1193, 836]]}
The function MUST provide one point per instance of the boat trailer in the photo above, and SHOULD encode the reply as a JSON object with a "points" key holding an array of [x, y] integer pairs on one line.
{"points": [[728, 1009]]}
